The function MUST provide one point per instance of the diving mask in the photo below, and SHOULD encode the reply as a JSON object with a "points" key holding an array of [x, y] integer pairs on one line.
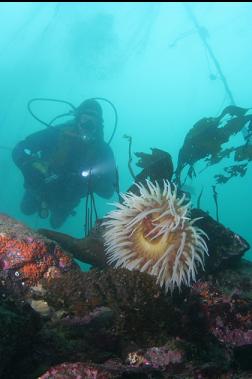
{"points": [[87, 127]]}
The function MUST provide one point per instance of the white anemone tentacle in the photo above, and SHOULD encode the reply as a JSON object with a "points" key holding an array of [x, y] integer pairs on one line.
{"points": [[154, 233]]}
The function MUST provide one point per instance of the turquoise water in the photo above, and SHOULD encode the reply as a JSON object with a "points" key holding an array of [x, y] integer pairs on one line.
{"points": [[149, 61]]}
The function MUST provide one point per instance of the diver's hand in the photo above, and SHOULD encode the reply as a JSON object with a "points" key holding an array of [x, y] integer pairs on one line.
{"points": [[75, 180]]}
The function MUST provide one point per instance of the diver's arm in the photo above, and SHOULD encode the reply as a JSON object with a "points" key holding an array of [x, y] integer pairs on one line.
{"points": [[26, 156], [27, 150]]}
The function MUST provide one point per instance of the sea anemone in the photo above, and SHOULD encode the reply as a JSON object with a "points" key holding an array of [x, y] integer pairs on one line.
{"points": [[153, 233]]}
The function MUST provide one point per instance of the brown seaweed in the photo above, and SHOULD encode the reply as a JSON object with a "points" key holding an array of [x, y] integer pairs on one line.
{"points": [[234, 170], [156, 166], [205, 140]]}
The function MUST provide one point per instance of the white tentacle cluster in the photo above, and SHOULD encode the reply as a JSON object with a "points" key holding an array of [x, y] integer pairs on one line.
{"points": [[153, 232]]}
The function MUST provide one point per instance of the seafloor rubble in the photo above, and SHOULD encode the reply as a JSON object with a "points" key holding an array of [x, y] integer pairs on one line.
{"points": [[59, 322]]}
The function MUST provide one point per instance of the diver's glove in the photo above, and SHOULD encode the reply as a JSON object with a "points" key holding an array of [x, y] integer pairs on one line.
{"points": [[77, 181]]}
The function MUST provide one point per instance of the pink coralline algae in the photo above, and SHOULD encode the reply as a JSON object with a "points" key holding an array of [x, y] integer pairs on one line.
{"points": [[76, 371], [235, 337], [27, 256], [156, 357], [229, 318]]}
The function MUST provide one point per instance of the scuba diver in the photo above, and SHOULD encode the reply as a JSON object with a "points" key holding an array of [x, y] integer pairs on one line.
{"points": [[63, 163]]}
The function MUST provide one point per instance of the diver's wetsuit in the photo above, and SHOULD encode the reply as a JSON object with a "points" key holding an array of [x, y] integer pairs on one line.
{"points": [[71, 169]]}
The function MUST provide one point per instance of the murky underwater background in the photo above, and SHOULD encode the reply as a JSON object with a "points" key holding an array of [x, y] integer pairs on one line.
{"points": [[148, 59]]}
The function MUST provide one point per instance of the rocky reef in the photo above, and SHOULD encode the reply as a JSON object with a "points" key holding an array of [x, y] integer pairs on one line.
{"points": [[59, 322]]}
